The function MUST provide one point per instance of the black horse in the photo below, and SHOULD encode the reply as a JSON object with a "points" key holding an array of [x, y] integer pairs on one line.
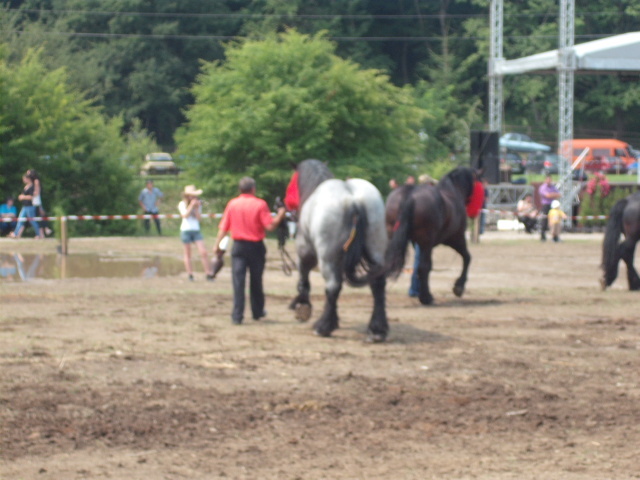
{"points": [[430, 215], [624, 218]]}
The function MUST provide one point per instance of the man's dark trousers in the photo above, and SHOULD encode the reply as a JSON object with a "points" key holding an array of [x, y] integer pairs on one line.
{"points": [[147, 224], [252, 256]]}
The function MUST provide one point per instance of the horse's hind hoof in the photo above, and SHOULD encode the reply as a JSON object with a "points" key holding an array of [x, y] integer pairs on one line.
{"points": [[321, 333], [458, 291], [426, 301], [603, 284], [303, 312], [376, 337]]}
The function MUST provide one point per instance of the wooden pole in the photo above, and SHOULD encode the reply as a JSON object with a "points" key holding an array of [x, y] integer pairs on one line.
{"points": [[475, 230], [64, 237]]}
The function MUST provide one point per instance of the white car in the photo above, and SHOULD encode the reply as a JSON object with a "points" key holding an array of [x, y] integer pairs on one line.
{"points": [[159, 163]]}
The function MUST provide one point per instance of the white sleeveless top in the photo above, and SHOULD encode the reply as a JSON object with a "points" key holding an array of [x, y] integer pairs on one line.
{"points": [[189, 223]]}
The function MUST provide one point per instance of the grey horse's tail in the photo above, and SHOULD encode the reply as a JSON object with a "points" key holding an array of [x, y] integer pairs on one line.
{"points": [[397, 248], [610, 255], [358, 263]]}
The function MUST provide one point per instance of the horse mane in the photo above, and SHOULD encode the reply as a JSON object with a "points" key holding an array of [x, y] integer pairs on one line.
{"points": [[311, 173], [461, 178]]}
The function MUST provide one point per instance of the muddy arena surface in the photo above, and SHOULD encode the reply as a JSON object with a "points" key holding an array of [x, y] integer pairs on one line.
{"points": [[532, 374]]}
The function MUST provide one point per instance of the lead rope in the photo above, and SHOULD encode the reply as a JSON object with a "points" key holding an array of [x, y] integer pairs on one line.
{"points": [[288, 264]]}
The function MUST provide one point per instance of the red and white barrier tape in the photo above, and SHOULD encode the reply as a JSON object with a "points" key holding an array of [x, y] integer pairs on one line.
{"points": [[107, 217], [215, 215]]}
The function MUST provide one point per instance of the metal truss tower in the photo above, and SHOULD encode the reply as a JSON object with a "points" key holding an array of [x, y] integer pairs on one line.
{"points": [[496, 55], [566, 72]]}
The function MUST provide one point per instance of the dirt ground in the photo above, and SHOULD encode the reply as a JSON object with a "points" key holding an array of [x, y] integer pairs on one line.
{"points": [[532, 374]]}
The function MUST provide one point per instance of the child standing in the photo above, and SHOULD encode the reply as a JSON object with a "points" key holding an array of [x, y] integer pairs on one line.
{"points": [[556, 217]]}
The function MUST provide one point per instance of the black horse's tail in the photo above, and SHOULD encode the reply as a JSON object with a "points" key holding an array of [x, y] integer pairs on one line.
{"points": [[358, 265], [397, 248], [610, 256]]}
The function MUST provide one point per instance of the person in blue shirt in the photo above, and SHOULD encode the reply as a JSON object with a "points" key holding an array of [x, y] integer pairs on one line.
{"points": [[149, 200], [8, 210]]}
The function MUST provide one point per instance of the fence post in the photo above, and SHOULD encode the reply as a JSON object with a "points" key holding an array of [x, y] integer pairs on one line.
{"points": [[64, 237], [475, 230]]}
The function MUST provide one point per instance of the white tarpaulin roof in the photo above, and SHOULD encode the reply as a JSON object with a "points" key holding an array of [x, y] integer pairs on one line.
{"points": [[618, 53]]}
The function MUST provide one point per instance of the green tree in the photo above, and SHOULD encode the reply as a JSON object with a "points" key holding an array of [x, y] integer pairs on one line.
{"points": [[46, 125], [134, 57], [276, 102]]}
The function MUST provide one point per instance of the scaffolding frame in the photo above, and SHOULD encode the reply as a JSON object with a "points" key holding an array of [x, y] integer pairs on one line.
{"points": [[566, 73]]}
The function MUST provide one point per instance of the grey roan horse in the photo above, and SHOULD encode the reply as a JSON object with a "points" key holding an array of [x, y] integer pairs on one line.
{"points": [[340, 229]]}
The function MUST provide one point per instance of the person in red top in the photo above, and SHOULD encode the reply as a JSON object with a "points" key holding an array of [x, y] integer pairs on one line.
{"points": [[248, 219]]}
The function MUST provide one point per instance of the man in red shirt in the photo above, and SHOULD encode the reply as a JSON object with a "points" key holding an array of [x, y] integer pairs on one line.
{"points": [[248, 219]]}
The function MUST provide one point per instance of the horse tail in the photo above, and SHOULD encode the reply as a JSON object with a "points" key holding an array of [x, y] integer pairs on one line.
{"points": [[610, 256], [356, 256], [397, 249]]}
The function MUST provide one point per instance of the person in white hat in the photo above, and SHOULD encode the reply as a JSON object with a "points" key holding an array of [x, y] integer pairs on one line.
{"points": [[556, 217], [190, 209]]}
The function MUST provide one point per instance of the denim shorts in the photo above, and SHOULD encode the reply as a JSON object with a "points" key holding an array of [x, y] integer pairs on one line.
{"points": [[190, 236]]}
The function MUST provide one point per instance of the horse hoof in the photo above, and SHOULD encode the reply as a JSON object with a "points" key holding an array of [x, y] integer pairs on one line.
{"points": [[303, 312], [603, 284], [322, 333], [427, 301], [376, 337], [458, 291]]}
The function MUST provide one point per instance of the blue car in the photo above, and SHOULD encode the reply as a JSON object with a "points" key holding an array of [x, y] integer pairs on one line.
{"points": [[519, 142]]}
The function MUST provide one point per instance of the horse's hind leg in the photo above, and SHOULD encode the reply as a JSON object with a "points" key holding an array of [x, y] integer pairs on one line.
{"points": [[378, 325], [302, 303], [424, 269], [460, 246], [328, 321], [627, 250]]}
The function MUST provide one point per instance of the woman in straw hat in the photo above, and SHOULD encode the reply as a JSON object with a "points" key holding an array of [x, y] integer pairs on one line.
{"points": [[190, 209]]}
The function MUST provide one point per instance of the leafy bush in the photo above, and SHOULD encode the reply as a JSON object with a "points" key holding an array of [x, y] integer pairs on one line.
{"points": [[599, 204], [276, 102]]}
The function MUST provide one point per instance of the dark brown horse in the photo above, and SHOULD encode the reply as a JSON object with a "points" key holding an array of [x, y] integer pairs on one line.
{"points": [[624, 219], [429, 215]]}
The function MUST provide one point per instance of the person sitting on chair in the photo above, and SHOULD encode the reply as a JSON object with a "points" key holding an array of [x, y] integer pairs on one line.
{"points": [[527, 213]]}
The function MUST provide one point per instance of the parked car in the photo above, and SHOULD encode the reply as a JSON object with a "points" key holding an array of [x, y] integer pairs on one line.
{"points": [[519, 142], [606, 165], [159, 163], [515, 161], [543, 163], [549, 164]]}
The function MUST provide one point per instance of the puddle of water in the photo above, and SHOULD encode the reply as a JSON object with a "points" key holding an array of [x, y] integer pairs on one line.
{"points": [[24, 267]]}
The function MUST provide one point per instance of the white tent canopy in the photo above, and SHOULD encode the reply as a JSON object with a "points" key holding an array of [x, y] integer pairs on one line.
{"points": [[620, 53]]}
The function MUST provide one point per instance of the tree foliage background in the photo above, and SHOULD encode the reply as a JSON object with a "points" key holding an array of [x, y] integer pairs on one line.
{"points": [[275, 102]]}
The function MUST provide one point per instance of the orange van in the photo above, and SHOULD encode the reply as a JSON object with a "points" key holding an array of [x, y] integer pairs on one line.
{"points": [[602, 147]]}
